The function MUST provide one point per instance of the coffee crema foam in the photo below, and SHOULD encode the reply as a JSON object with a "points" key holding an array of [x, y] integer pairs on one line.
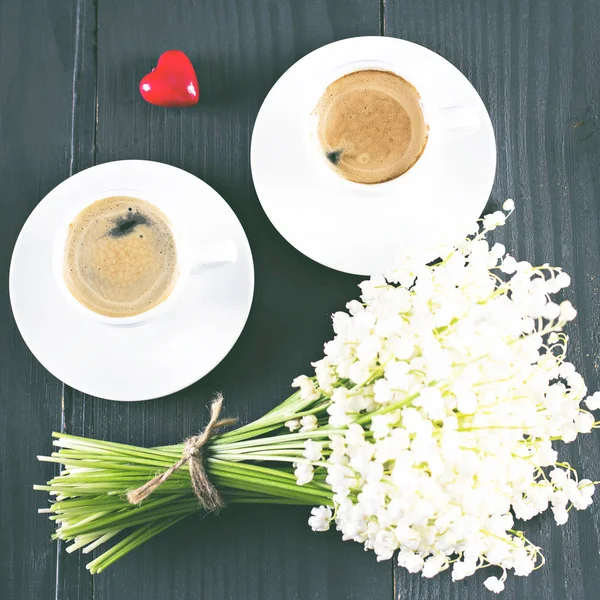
{"points": [[120, 257], [371, 126]]}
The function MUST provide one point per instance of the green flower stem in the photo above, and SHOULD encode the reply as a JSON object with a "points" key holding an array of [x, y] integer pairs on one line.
{"points": [[82, 541], [102, 528], [261, 457], [277, 501], [269, 486], [132, 541], [134, 514], [325, 432], [278, 489], [91, 463], [386, 409], [73, 441], [252, 464], [98, 541], [294, 410], [266, 472], [250, 455], [109, 460], [246, 434], [86, 503], [240, 472]]}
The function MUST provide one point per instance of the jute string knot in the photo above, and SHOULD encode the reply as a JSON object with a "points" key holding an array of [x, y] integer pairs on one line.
{"points": [[193, 456]]}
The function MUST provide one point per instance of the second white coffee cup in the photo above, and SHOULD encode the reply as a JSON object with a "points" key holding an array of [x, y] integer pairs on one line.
{"points": [[445, 124]]}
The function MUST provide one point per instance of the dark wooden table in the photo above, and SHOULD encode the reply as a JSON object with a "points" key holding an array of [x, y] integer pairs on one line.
{"points": [[69, 71]]}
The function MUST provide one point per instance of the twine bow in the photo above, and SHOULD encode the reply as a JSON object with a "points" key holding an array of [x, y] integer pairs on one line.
{"points": [[193, 456]]}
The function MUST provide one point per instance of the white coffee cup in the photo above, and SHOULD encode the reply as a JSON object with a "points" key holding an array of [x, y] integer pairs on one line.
{"points": [[445, 124], [193, 256]]}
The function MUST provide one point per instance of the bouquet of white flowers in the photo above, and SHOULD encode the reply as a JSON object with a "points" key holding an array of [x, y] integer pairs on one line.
{"points": [[427, 429]]}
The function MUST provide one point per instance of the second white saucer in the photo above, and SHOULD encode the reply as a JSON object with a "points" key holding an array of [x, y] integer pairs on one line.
{"points": [[362, 229]]}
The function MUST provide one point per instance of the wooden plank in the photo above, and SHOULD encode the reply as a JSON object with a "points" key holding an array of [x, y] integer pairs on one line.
{"points": [[239, 49], [36, 72], [72, 578], [537, 67]]}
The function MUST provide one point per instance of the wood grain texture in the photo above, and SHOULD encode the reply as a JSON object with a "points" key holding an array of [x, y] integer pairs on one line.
{"points": [[36, 70], [73, 581], [239, 49], [537, 66]]}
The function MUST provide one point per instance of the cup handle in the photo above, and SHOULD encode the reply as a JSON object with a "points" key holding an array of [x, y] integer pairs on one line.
{"points": [[214, 254], [456, 122]]}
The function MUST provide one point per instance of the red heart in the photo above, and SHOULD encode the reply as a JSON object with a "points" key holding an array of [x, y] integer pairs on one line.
{"points": [[172, 83]]}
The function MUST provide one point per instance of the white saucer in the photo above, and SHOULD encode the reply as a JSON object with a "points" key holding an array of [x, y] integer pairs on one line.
{"points": [[362, 230], [148, 361]]}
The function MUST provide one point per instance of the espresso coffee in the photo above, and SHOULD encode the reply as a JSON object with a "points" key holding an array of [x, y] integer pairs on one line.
{"points": [[370, 126], [120, 257]]}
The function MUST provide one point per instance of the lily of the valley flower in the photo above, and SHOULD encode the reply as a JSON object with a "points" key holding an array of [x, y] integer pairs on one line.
{"points": [[451, 385]]}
